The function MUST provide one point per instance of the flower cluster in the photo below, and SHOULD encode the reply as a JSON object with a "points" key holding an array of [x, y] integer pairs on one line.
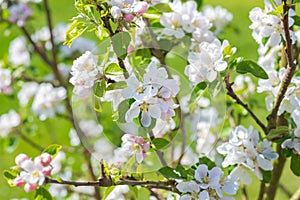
{"points": [[85, 72], [205, 64], [266, 24], [152, 97], [47, 99], [245, 150], [186, 18], [208, 184], [135, 145], [127, 9], [32, 173], [19, 13], [9, 121], [18, 53]]}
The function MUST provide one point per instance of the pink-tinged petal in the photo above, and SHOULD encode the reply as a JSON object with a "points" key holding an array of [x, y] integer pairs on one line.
{"points": [[18, 181], [146, 119], [128, 18], [30, 187], [20, 159], [46, 158]]}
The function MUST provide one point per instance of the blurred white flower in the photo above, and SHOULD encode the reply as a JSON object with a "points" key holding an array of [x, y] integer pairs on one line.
{"points": [[48, 101], [18, 53], [19, 13], [9, 121]]}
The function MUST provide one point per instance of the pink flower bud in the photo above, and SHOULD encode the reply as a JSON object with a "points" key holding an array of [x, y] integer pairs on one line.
{"points": [[18, 181], [115, 12], [47, 170], [130, 50], [128, 18], [46, 158], [30, 187], [140, 8], [21, 158]]}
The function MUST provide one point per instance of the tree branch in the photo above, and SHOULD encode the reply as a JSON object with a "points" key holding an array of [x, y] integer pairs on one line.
{"points": [[232, 94], [291, 67], [166, 185]]}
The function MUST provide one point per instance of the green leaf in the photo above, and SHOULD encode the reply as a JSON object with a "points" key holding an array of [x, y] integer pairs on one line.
{"points": [[100, 89], [205, 160], [108, 191], [248, 66], [274, 133], [76, 29], [42, 194], [295, 164], [120, 44], [277, 11], [160, 143], [296, 1], [296, 20], [10, 174], [169, 172], [267, 175], [113, 69], [117, 85], [163, 7], [53, 150], [197, 93], [98, 104], [113, 25]]}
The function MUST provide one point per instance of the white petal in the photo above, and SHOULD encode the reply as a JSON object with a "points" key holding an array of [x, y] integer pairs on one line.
{"points": [[146, 119], [204, 195]]}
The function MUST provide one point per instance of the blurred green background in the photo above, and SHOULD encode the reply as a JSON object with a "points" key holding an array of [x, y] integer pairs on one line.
{"points": [[63, 11]]}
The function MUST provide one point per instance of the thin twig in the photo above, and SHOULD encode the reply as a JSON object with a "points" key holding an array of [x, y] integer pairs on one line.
{"points": [[166, 185], [232, 94], [29, 141], [36, 48], [159, 153], [245, 193], [262, 191], [285, 190]]}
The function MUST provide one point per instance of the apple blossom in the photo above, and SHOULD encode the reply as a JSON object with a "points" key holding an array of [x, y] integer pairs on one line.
{"points": [[206, 64], [135, 145], [18, 52], [245, 149], [5, 81], [8, 121], [48, 101], [208, 184]]}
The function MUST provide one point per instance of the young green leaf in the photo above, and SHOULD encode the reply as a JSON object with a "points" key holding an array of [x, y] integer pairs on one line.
{"points": [[274, 133], [163, 7], [42, 194], [248, 66], [113, 69], [160, 143], [53, 150], [169, 172], [108, 191], [267, 175], [197, 92]]}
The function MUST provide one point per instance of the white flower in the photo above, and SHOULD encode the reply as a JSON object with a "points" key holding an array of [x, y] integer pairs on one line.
{"points": [[245, 149], [9, 121], [218, 16], [267, 25], [84, 73], [18, 53], [206, 64], [208, 184], [47, 101], [27, 91]]}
